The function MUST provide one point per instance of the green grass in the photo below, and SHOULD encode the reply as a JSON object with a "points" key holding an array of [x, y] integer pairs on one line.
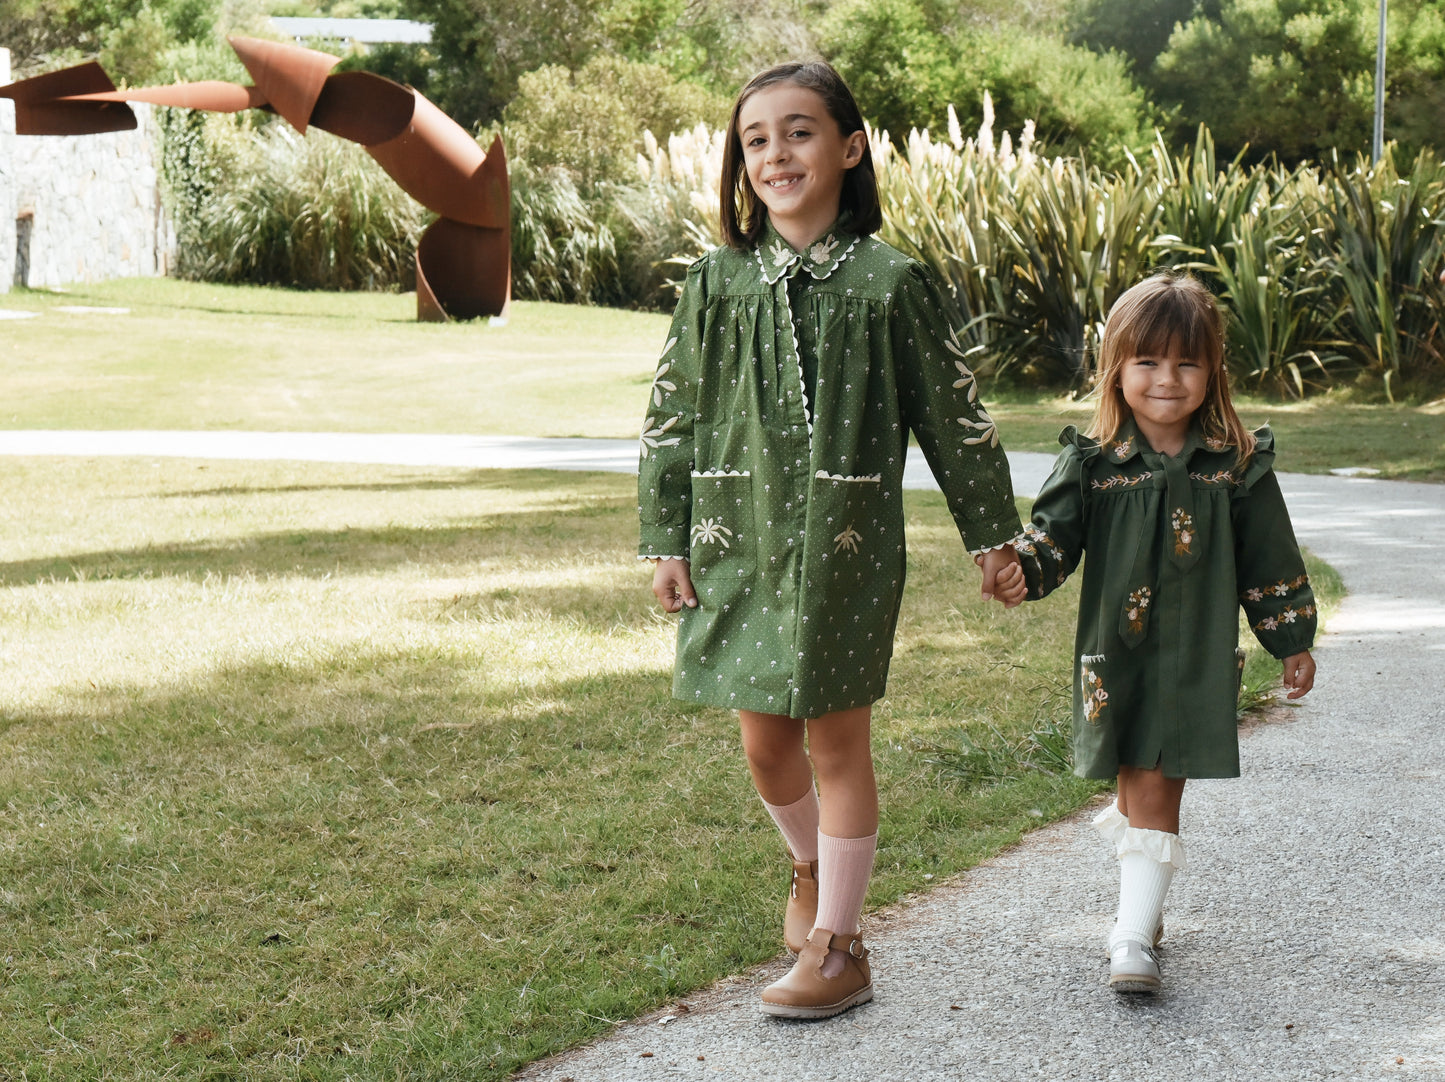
{"points": [[197, 356], [335, 772], [347, 772], [193, 356]]}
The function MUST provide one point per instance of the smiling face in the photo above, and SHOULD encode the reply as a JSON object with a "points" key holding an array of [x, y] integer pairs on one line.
{"points": [[796, 158], [1164, 392]]}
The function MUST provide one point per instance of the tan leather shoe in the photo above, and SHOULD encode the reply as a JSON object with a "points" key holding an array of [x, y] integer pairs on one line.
{"points": [[802, 905], [806, 993]]}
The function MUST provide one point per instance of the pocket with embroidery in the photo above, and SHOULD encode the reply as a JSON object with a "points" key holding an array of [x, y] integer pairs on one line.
{"points": [[849, 511], [723, 540]]}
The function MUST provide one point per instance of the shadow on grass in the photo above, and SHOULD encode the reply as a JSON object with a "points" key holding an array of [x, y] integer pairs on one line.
{"points": [[563, 531]]}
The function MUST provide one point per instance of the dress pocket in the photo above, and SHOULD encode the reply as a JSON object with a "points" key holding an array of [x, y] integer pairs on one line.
{"points": [[850, 514], [723, 540]]}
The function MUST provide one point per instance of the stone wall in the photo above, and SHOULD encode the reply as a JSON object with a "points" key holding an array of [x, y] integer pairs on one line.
{"points": [[80, 208]]}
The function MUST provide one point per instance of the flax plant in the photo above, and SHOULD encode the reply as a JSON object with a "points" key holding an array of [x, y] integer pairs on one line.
{"points": [[1388, 240]]}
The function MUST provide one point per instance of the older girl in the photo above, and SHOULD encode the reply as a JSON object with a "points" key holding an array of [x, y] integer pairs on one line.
{"points": [[801, 355]]}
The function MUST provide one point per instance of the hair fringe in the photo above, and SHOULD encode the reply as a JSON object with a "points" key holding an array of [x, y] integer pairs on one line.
{"points": [[1168, 313]]}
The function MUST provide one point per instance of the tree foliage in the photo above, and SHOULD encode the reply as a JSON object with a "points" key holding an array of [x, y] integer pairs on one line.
{"points": [[1293, 78], [906, 65]]}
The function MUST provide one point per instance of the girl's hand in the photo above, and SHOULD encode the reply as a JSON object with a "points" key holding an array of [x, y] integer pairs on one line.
{"points": [[1003, 578], [672, 583], [1299, 674]]}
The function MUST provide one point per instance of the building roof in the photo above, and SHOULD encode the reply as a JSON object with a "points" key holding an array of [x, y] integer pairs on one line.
{"points": [[367, 31]]}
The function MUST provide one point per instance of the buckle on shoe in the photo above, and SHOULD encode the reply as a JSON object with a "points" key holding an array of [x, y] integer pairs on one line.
{"points": [[855, 942]]}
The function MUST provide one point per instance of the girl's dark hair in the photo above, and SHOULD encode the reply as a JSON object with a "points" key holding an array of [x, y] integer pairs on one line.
{"points": [[743, 217]]}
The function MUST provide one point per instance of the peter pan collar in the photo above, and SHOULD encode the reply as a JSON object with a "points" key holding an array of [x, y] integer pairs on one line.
{"points": [[777, 258]]}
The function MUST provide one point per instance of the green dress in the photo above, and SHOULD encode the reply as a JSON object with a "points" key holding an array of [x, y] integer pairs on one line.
{"points": [[772, 458], [1176, 544]]}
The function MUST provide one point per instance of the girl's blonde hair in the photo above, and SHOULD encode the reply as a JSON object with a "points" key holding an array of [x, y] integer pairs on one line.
{"points": [[1163, 316]]}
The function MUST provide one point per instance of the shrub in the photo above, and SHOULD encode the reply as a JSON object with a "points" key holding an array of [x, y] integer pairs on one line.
{"points": [[591, 121], [314, 212]]}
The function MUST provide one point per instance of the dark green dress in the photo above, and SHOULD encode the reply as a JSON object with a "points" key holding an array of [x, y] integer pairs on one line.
{"points": [[772, 458], [1175, 546]]}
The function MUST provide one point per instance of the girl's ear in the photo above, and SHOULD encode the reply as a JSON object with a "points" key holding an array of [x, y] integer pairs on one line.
{"points": [[854, 149]]}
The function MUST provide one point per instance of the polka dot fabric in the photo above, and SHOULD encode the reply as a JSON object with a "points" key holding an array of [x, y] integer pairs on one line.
{"points": [[772, 459]]}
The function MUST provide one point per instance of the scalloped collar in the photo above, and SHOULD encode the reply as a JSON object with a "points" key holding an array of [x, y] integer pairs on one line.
{"points": [[777, 258]]}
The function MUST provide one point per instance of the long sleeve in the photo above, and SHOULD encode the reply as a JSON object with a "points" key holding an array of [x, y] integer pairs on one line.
{"points": [[1052, 543], [664, 475], [939, 400], [1273, 585]]}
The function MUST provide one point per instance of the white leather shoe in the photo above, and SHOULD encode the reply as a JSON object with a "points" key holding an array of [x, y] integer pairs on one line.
{"points": [[1133, 968]]}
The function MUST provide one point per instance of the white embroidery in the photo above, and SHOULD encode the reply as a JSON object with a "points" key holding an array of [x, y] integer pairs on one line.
{"points": [[652, 437], [823, 249], [711, 531]]}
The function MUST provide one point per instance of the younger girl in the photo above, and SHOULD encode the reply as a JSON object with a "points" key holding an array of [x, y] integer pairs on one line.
{"points": [[1181, 515], [801, 355]]}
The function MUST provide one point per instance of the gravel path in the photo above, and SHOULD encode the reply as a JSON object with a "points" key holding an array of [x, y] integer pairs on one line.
{"points": [[1305, 941]]}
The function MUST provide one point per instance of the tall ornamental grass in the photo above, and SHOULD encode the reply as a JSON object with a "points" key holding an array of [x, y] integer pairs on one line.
{"points": [[310, 212]]}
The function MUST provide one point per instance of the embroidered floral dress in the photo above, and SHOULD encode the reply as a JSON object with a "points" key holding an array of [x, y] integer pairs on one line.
{"points": [[1176, 545], [772, 458]]}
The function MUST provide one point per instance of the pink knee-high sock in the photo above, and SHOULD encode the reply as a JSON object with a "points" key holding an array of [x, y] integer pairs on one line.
{"points": [[798, 822], [844, 867]]}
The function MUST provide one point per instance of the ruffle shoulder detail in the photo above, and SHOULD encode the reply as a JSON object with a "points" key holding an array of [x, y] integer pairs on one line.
{"points": [[1082, 447], [1262, 461]]}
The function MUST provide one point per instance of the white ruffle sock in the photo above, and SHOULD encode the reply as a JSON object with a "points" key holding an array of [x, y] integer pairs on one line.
{"points": [[1111, 823], [1148, 860]]}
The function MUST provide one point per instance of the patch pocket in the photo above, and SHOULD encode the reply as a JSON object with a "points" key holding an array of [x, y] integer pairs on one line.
{"points": [[1093, 695], [723, 540], [849, 507]]}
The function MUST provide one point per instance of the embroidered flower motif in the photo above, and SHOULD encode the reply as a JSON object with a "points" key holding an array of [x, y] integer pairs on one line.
{"points": [[1120, 480], [1279, 589], [1183, 523], [1120, 448], [1094, 694], [781, 253], [1289, 616], [1214, 443], [984, 426], [1137, 608], [821, 251], [711, 531], [659, 384], [652, 437], [848, 539]]}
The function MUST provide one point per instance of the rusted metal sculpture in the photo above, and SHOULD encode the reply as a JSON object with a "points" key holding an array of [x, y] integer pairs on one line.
{"points": [[463, 262]]}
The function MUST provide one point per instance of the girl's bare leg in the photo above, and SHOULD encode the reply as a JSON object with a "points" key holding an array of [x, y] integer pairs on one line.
{"points": [[842, 749], [1149, 799], [777, 758]]}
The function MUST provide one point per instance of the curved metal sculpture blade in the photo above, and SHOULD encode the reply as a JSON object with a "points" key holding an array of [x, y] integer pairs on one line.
{"points": [[464, 260]]}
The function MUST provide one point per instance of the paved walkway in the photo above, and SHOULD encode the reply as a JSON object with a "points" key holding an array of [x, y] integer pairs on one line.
{"points": [[1307, 940]]}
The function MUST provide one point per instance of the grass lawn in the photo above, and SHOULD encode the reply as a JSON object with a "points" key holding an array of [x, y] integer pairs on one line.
{"points": [[348, 772], [344, 772], [186, 355]]}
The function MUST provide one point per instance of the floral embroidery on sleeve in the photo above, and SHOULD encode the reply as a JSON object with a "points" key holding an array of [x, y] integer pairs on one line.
{"points": [[1289, 616], [1279, 589]]}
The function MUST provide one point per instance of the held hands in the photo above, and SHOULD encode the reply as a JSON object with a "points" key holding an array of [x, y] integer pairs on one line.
{"points": [[672, 583], [1299, 674], [1003, 578]]}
